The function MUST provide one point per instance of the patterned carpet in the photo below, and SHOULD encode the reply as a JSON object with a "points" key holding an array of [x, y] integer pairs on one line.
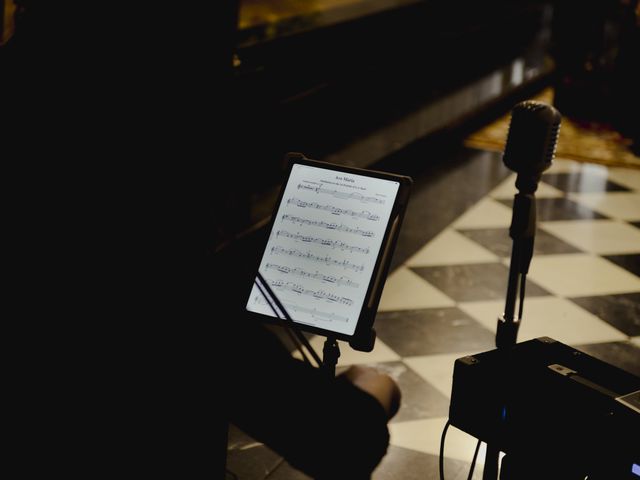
{"points": [[593, 144]]}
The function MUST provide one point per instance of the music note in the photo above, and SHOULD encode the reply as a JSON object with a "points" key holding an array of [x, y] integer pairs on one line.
{"points": [[314, 312], [334, 210], [323, 241], [319, 294], [316, 276], [328, 226], [278, 250], [341, 194]]}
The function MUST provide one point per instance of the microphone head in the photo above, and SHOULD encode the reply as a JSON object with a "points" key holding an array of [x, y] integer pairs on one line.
{"points": [[532, 138]]}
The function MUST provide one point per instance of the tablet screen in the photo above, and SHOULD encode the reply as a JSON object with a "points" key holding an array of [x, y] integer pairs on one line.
{"points": [[324, 244]]}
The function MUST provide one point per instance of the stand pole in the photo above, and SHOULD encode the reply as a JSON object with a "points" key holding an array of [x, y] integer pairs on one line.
{"points": [[330, 355], [490, 471], [522, 231]]}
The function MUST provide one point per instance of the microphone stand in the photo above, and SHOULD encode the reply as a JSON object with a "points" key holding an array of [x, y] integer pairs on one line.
{"points": [[522, 232]]}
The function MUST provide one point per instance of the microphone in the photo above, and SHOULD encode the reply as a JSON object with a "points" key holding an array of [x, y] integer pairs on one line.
{"points": [[531, 142], [531, 145]]}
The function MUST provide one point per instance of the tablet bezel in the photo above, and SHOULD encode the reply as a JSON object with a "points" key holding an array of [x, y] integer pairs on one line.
{"points": [[363, 336]]}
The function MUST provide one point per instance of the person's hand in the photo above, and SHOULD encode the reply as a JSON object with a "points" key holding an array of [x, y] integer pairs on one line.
{"points": [[379, 385]]}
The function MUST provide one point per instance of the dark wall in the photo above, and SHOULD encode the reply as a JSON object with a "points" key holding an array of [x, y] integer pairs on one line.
{"points": [[597, 47], [318, 90]]}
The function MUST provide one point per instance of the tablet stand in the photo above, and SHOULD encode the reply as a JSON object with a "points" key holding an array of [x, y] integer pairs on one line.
{"points": [[330, 355]]}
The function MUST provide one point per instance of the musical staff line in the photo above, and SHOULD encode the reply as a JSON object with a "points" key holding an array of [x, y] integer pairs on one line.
{"points": [[329, 226], [319, 294], [277, 250], [316, 276], [314, 312], [365, 214], [323, 241], [340, 194]]}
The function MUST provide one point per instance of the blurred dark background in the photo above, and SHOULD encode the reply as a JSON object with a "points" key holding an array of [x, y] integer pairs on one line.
{"points": [[349, 81], [356, 82]]}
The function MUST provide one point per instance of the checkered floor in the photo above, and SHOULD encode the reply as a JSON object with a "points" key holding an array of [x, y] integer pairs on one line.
{"points": [[583, 289]]}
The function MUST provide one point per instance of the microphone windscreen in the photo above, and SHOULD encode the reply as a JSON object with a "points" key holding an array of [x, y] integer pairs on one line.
{"points": [[532, 138]]}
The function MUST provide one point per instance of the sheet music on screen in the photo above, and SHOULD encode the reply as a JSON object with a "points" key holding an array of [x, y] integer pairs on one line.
{"points": [[323, 246]]}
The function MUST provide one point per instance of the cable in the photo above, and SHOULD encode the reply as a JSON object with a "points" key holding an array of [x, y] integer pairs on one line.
{"points": [[295, 341], [291, 323], [444, 434], [306, 343], [266, 297], [292, 337], [523, 283], [473, 462]]}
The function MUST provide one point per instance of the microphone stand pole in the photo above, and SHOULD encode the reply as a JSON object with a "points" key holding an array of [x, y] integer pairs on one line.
{"points": [[522, 232]]}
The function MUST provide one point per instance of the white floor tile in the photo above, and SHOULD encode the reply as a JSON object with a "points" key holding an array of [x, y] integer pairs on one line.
{"points": [[618, 205], [581, 275], [436, 369], [405, 290], [626, 177], [451, 248], [562, 165], [553, 317], [507, 189], [424, 436], [605, 237], [487, 213], [348, 356]]}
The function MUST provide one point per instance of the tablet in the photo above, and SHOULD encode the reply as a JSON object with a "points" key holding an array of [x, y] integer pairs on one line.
{"points": [[331, 240]]}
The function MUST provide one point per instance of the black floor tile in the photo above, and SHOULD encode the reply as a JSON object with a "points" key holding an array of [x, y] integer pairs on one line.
{"points": [[498, 241], [434, 202], [474, 282], [620, 311], [582, 182], [628, 262], [549, 209], [419, 399], [404, 464], [624, 355], [432, 331]]}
